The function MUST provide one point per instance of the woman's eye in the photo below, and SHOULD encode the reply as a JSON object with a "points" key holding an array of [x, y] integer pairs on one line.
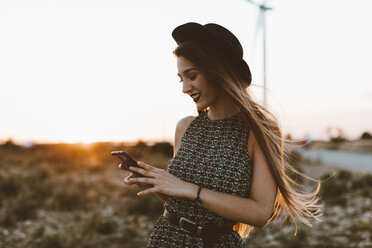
{"points": [[193, 77]]}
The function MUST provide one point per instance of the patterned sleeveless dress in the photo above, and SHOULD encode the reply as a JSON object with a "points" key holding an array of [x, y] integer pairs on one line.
{"points": [[213, 154]]}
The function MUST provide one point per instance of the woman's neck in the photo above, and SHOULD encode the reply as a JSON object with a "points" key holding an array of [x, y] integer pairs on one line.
{"points": [[222, 109]]}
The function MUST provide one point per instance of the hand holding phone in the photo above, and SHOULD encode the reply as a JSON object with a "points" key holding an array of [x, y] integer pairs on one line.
{"points": [[126, 161], [141, 185]]}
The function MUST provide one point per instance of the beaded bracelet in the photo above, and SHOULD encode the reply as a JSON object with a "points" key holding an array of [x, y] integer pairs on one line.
{"points": [[197, 199]]}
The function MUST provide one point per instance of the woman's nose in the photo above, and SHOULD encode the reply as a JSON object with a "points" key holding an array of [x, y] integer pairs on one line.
{"points": [[185, 87]]}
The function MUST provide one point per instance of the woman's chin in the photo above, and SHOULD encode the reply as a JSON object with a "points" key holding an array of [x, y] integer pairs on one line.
{"points": [[200, 106]]}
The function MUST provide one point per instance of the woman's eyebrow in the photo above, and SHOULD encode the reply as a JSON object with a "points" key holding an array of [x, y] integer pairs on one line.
{"points": [[187, 70]]}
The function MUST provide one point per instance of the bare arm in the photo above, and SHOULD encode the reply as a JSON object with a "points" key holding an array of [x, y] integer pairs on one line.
{"points": [[181, 127]]}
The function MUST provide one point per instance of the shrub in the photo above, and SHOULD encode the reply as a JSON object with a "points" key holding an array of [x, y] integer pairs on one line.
{"points": [[129, 232], [338, 139], [333, 191], [99, 224], [7, 220], [158, 160], [344, 175], [363, 184], [70, 195], [26, 194], [164, 148], [103, 225], [327, 241], [52, 240], [139, 150], [291, 241], [67, 199], [130, 235], [9, 145], [39, 181], [38, 232], [294, 159], [148, 205], [367, 180], [24, 206], [366, 135], [9, 186]]}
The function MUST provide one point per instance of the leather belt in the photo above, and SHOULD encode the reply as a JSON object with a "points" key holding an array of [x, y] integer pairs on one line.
{"points": [[209, 232]]}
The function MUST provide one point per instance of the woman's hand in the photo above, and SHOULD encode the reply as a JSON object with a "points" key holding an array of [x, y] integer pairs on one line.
{"points": [[141, 185], [163, 182]]}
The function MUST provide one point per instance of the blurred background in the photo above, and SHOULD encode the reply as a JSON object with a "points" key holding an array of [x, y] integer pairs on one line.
{"points": [[80, 78]]}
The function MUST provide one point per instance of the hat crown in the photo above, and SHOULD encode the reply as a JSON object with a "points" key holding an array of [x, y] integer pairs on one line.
{"points": [[225, 35]]}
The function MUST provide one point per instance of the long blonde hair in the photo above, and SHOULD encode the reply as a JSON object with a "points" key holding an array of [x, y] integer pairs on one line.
{"points": [[290, 202]]}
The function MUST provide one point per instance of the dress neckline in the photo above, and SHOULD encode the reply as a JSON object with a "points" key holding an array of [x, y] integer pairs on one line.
{"points": [[222, 120]]}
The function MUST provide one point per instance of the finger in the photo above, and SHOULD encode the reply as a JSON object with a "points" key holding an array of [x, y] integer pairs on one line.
{"points": [[147, 191], [145, 180], [131, 175], [141, 171], [145, 166], [151, 169], [126, 180], [144, 186]]}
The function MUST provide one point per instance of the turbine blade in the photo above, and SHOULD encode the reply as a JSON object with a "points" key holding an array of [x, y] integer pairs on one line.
{"points": [[254, 3], [256, 33]]}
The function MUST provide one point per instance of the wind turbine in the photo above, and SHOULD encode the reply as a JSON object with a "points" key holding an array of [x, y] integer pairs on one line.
{"points": [[261, 21]]}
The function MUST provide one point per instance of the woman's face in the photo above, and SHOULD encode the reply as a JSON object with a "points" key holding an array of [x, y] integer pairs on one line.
{"points": [[196, 85]]}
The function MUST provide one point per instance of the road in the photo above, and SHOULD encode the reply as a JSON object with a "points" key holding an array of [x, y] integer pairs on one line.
{"points": [[345, 160]]}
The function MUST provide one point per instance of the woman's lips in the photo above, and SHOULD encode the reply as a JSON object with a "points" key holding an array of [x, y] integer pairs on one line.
{"points": [[196, 97]]}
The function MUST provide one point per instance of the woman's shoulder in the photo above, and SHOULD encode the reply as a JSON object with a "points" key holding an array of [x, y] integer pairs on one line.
{"points": [[181, 127], [184, 123]]}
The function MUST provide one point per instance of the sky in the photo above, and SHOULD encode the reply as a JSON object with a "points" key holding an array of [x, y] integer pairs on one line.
{"points": [[103, 70]]}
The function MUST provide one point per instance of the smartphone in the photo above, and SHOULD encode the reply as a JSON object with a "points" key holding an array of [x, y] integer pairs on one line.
{"points": [[126, 161]]}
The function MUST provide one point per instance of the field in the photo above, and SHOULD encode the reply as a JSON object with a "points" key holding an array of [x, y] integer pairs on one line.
{"points": [[72, 195]]}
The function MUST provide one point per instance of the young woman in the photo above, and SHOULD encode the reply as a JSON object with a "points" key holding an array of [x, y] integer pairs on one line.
{"points": [[229, 172]]}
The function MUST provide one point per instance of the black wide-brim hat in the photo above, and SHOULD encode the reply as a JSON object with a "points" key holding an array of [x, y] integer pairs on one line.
{"points": [[218, 38]]}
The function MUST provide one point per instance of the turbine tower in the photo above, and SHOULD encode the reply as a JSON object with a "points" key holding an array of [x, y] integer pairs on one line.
{"points": [[261, 22]]}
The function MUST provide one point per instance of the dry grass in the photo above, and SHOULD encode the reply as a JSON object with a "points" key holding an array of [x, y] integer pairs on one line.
{"points": [[73, 196]]}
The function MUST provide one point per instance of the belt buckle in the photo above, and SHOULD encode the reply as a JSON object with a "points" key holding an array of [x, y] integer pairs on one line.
{"points": [[184, 220]]}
